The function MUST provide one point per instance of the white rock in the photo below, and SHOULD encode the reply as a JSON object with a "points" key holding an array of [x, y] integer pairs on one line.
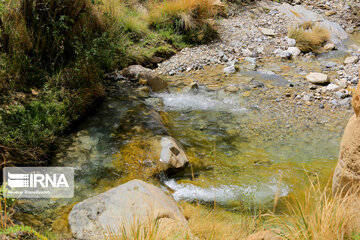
{"points": [[329, 46], [351, 59], [342, 83], [294, 51], [332, 87], [230, 69], [290, 41], [281, 53], [246, 52], [317, 78], [268, 31]]}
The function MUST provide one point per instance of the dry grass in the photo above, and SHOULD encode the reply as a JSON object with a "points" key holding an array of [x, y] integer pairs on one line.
{"points": [[190, 17], [220, 224], [321, 215], [151, 229], [309, 37]]}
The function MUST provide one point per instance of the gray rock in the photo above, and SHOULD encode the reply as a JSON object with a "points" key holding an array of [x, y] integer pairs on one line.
{"points": [[329, 64], [119, 208], [351, 59], [317, 78], [301, 14], [290, 41], [247, 53], [345, 102], [332, 87], [329, 46], [342, 83], [268, 32], [250, 60], [153, 80], [282, 54]]}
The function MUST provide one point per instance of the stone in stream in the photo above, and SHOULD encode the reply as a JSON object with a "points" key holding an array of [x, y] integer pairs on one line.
{"points": [[317, 78], [133, 203], [152, 79], [351, 59]]}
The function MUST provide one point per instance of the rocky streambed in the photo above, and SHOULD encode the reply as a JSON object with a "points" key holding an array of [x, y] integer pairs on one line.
{"points": [[235, 137]]}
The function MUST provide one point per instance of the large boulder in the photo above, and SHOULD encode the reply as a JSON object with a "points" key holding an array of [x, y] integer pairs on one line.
{"points": [[347, 171], [300, 14], [145, 76], [130, 205]]}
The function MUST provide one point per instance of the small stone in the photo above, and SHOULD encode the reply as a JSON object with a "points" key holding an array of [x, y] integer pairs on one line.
{"points": [[330, 13], [282, 54], [257, 84], [250, 60], [332, 87], [345, 102], [232, 89], [351, 59], [194, 85], [306, 98], [334, 102], [342, 83], [294, 51], [321, 105], [230, 69], [329, 46], [317, 78], [247, 53], [329, 64], [268, 31], [340, 94], [290, 41]]}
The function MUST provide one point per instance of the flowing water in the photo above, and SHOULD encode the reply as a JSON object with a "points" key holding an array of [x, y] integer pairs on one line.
{"points": [[244, 147]]}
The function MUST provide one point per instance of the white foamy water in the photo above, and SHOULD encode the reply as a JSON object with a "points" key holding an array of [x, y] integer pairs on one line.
{"points": [[223, 194], [189, 101]]}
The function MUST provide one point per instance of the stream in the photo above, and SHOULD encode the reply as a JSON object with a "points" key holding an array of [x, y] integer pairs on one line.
{"points": [[244, 146]]}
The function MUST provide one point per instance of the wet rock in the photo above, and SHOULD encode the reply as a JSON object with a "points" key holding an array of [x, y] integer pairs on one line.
{"points": [[194, 86], [294, 51], [230, 69], [119, 208], [329, 64], [170, 152], [268, 32], [317, 78], [257, 84], [153, 80], [351, 59]]}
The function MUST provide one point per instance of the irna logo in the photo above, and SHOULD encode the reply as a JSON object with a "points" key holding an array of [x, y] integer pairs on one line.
{"points": [[38, 182]]}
